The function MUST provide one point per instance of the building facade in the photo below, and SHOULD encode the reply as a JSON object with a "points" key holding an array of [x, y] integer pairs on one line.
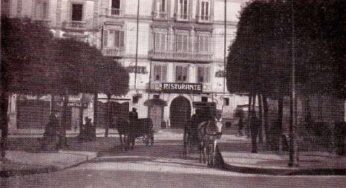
{"points": [[174, 50]]}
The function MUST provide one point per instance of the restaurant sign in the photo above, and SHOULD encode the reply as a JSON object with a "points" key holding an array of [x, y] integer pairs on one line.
{"points": [[181, 88]]}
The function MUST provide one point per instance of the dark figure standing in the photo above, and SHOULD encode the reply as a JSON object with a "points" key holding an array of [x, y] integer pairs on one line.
{"points": [[240, 114], [133, 117], [87, 131], [195, 120], [90, 129], [254, 126], [50, 132]]}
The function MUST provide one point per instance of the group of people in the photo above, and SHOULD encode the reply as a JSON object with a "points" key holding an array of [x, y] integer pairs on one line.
{"points": [[53, 135]]}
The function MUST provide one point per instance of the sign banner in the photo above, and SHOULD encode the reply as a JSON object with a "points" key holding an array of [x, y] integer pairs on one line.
{"points": [[182, 88]]}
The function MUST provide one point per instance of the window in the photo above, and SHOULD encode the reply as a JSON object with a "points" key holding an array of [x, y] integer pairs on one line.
{"points": [[160, 72], [203, 43], [181, 73], [115, 7], [226, 101], [113, 39], [183, 9], [41, 10], [160, 6], [204, 11], [77, 12], [203, 74], [181, 41], [204, 99], [160, 41]]}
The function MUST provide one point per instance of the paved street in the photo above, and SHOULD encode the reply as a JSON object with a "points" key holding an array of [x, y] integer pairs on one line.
{"points": [[160, 166]]}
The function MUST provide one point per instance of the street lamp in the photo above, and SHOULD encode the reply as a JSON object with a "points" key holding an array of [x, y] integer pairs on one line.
{"points": [[293, 155]]}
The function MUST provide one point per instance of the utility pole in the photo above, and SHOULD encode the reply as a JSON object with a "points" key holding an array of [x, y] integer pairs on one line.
{"points": [[137, 45], [225, 49], [293, 157]]}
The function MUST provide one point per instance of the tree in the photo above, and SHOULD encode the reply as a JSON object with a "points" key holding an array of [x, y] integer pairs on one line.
{"points": [[113, 79], [26, 49], [260, 58]]}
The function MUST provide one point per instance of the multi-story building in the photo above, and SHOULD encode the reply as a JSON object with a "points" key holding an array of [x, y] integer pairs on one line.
{"points": [[174, 50]]}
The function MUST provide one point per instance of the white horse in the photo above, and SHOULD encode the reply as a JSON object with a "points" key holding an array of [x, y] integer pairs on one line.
{"points": [[209, 132]]}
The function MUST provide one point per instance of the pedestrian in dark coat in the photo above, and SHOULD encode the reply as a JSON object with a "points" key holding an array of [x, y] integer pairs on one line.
{"points": [[254, 126]]}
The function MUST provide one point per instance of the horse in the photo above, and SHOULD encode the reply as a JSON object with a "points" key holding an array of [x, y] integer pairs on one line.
{"points": [[208, 134], [123, 127]]}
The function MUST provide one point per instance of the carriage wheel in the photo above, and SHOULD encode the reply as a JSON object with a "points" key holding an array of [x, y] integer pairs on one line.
{"points": [[151, 139]]}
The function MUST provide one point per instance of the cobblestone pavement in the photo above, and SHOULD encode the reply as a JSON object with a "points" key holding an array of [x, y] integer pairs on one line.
{"points": [[161, 166]]}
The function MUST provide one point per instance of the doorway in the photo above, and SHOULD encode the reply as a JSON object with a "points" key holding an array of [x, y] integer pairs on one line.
{"points": [[180, 112]]}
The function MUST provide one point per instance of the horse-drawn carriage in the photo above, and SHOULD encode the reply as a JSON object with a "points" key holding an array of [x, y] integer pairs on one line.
{"points": [[129, 131], [202, 131]]}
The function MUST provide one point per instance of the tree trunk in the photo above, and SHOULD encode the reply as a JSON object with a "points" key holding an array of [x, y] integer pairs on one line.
{"points": [[265, 115], [81, 110], [4, 122], [109, 116], [260, 116], [247, 129], [52, 103], [279, 122], [62, 134], [253, 125], [307, 118], [95, 109]]}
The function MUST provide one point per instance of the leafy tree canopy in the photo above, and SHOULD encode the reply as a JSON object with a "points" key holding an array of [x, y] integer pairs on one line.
{"points": [[261, 56]]}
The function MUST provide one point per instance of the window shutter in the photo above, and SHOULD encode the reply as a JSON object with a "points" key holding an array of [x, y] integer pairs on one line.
{"points": [[105, 38], [121, 39], [164, 73], [207, 10], [156, 72], [116, 38], [207, 74], [156, 41], [186, 73]]}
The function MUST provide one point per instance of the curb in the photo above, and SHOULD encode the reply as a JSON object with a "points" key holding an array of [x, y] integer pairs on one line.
{"points": [[47, 169], [281, 171]]}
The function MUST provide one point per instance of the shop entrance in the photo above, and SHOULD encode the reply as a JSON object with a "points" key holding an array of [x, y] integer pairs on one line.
{"points": [[180, 112]]}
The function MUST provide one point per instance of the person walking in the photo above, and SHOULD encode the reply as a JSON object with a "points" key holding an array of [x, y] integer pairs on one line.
{"points": [[240, 114]]}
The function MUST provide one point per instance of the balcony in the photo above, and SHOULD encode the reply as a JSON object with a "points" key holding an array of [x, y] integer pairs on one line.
{"points": [[43, 22], [158, 15], [113, 52], [181, 56], [204, 19], [182, 17], [114, 12], [75, 25]]}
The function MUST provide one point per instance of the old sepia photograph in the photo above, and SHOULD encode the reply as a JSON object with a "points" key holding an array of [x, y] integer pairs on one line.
{"points": [[173, 94]]}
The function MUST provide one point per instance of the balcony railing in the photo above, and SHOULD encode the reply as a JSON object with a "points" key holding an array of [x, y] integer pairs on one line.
{"points": [[182, 17], [204, 18], [114, 12], [160, 15], [44, 22], [182, 56], [79, 25], [113, 52]]}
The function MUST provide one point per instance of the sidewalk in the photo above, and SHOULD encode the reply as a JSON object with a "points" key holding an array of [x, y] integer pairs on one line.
{"points": [[236, 155], [25, 157]]}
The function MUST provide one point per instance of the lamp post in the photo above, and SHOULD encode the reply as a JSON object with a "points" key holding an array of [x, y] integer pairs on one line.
{"points": [[293, 155]]}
